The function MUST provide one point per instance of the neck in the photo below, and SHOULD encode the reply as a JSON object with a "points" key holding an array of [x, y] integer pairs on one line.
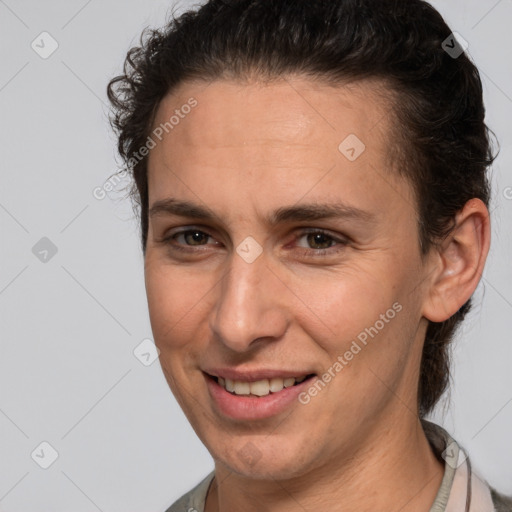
{"points": [[394, 469]]}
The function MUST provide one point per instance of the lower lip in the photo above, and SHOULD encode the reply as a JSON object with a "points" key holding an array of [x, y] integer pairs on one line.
{"points": [[252, 407]]}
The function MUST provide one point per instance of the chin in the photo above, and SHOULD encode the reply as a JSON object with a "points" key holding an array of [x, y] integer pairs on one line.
{"points": [[261, 458]]}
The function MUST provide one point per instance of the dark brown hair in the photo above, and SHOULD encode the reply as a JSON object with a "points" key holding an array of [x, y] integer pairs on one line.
{"points": [[444, 146]]}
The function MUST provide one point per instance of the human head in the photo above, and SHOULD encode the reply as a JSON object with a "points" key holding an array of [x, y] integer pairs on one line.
{"points": [[442, 144]]}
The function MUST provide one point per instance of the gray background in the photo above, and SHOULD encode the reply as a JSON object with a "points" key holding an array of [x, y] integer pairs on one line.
{"points": [[70, 324]]}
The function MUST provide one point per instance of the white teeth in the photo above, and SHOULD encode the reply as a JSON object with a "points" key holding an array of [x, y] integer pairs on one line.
{"points": [[242, 388], [289, 382], [261, 387], [276, 385]]}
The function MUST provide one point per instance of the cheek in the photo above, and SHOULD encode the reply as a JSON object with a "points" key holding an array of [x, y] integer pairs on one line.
{"points": [[333, 307], [365, 316], [176, 301], [342, 304]]}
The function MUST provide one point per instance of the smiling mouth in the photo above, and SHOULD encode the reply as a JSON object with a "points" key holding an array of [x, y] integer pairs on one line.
{"points": [[259, 388]]}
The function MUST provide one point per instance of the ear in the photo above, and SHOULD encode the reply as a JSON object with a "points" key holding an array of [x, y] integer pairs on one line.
{"points": [[459, 262]]}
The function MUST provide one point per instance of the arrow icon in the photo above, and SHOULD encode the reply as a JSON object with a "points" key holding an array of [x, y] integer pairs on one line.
{"points": [[146, 352], [44, 250], [44, 455], [44, 45], [455, 45], [352, 147], [249, 249]]}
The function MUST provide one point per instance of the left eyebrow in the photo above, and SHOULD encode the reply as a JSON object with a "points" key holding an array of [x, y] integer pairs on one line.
{"points": [[315, 211], [295, 213]]}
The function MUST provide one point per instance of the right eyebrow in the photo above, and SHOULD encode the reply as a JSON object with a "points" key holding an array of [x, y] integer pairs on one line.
{"points": [[297, 213], [171, 206]]}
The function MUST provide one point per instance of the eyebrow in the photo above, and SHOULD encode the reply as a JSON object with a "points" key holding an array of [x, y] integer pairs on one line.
{"points": [[295, 213]]}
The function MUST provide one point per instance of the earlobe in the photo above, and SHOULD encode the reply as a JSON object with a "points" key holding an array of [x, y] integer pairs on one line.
{"points": [[460, 262]]}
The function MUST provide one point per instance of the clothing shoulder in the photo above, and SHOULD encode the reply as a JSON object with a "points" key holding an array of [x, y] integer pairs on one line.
{"points": [[194, 500], [501, 502]]}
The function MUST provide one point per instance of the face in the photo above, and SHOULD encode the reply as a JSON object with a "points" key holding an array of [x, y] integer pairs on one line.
{"points": [[280, 247]]}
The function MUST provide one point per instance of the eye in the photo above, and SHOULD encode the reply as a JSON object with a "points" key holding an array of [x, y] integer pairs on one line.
{"points": [[310, 242], [193, 237], [187, 239], [318, 242]]}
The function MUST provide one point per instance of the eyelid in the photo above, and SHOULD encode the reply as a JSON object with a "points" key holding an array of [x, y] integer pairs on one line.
{"points": [[340, 241], [171, 235], [309, 230]]}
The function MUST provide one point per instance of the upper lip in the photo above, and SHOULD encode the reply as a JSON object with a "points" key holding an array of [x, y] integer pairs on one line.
{"points": [[254, 374]]}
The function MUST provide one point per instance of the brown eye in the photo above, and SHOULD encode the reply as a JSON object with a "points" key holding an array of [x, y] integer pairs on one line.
{"points": [[193, 237], [319, 240], [318, 243], [189, 240]]}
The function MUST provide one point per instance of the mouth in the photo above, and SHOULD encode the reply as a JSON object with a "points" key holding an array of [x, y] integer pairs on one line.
{"points": [[259, 388], [256, 394]]}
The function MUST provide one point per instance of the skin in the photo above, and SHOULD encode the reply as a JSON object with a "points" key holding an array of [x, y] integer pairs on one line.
{"points": [[246, 150]]}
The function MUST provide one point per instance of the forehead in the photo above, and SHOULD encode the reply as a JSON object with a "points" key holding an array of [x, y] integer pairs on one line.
{"points": [[285, 137], [280, 112]]}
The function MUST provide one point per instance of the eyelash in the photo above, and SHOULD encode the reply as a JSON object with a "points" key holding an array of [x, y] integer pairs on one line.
{"points": [[170, 241]]}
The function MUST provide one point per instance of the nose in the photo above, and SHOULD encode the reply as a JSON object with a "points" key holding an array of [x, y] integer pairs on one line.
{"points": [[250, 306]]}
